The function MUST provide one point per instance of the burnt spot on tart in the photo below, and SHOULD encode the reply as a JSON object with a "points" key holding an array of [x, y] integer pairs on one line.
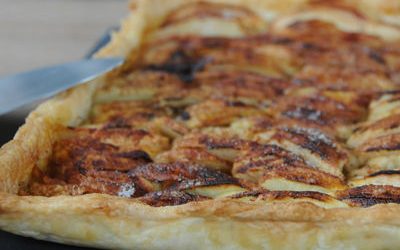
{"points": [[385, 172], [263, 194], [378, 169], [319, 110], [136, 155], [375, 55], [238, 84], [207, 149], [181, 64], [85, 182], [97, 159], [311, 139], [385, 124], [222, 143], [109, 182], [184, 115], [249, 54], [386, 143], [180, 176], [170, 198], [77, 157], [125, 139], [370, 195], [194, 155], [209, 140], [192, 179], [270, 163], [125, 113], [373, 133], [319, 149], [306, 113]]}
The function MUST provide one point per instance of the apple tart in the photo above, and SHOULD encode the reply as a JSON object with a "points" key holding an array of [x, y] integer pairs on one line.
{"points": [[230, 125]]}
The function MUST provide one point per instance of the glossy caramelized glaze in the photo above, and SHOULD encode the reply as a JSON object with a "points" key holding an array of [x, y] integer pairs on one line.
{"points": [[240, 109]]}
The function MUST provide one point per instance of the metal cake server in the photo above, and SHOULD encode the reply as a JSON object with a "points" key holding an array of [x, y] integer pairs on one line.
{"points": [[27, 87]]}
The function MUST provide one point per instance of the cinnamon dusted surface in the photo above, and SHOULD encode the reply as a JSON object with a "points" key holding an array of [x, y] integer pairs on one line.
{"points": [[307, 113]]}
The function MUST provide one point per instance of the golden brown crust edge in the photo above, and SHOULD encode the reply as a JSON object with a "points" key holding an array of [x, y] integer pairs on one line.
{"points": [[113, 222]]}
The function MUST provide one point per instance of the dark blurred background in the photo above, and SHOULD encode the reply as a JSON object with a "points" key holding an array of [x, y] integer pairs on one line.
{"points": [[37, 33]]}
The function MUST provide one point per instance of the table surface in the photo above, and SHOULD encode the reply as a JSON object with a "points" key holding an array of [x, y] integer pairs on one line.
{"points": [[44, 32]]}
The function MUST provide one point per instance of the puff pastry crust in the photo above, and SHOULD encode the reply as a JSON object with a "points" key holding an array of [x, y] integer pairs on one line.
{"points": [[232, 125]]}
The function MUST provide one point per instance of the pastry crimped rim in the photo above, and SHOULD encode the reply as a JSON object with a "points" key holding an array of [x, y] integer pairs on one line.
{"points": [[113, 222]]}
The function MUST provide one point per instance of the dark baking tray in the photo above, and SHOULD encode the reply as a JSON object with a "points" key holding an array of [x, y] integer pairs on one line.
{"points": [[9, 124]]}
